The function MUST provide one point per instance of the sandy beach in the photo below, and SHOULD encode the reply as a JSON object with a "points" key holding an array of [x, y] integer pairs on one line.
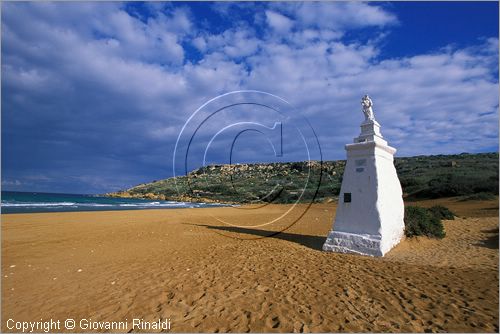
{"points": [[204, 276]]}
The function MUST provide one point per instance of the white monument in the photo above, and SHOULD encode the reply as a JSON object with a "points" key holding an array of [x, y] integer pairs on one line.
{"points": [[370, 212]]}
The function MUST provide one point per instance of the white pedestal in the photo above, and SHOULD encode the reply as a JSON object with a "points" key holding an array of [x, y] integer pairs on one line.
{"points": [[370, 212]]}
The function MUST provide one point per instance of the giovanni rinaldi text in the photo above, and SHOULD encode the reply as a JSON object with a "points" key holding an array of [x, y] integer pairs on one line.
{"points": [[52, 325]]}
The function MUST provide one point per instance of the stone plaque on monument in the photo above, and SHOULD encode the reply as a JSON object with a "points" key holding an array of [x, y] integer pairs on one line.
{"points": [[370, 212]]}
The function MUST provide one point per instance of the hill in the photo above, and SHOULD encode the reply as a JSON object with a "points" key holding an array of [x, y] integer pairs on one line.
{"points": [[422, 177]]}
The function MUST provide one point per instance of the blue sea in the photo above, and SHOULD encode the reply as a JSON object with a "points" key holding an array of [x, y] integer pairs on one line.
{"points": [[28, 202]]}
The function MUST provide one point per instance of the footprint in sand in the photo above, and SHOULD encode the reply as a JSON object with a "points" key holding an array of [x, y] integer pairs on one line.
{"points": [[273, 322]]}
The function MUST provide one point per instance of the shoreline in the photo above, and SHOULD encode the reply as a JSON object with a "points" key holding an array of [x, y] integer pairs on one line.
{"points": [[483, 208], [115, 210]]}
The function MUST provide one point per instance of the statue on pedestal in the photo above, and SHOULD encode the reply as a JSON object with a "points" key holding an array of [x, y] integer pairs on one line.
{"points": [[367, 105], [370, 211]]}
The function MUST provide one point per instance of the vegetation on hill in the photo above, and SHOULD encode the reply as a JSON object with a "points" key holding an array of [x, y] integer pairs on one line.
{"points": [[421, 177], [448, 175]]}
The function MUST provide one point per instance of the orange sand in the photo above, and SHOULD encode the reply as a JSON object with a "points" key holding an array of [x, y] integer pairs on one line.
{"points": [[185, 266]]}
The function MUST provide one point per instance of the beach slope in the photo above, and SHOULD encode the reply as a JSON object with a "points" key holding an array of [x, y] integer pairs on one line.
{"points": [[203, 275]]}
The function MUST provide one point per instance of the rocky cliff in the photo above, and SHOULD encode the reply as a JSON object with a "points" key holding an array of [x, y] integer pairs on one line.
{"points": [[420, 176]]}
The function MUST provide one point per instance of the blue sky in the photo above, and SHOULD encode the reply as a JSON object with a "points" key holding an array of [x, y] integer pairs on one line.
{"points": [[94, 94]]}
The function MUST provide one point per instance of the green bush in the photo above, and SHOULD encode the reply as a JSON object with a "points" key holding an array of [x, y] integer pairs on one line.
{"points": [[482, 196], [442, 212], [421, 222]]}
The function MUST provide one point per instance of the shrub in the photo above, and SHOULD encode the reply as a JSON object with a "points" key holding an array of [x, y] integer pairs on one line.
{"points": [[448, 185], [442, 212], [420, 221], [482, 196]]}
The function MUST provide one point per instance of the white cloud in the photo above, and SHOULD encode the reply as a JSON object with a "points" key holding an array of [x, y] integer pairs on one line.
{"points": [[337, 15], [278, 22], [234, 43], [200, 43], [11, 183], [343, 15]]}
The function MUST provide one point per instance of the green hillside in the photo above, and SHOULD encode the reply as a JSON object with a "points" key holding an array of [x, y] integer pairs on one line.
{"points": [[468, 175]]}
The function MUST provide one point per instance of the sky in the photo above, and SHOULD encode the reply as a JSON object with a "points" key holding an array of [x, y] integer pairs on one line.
{"points": [[96, 94]]}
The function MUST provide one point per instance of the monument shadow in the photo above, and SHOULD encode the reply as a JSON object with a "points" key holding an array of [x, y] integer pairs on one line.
{"points": [[310, 241], [490, 241]]}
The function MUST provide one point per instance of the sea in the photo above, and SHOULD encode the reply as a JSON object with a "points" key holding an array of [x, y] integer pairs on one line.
{"points": [[30, 202]]}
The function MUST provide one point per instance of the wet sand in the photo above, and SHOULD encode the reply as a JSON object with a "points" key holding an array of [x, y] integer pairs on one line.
{"points": [[205, 276]]}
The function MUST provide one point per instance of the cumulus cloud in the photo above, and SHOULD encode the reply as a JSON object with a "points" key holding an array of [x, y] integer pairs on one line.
{"points": [[278, 22], [234, 43], [338, 15], [94, 94]]}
